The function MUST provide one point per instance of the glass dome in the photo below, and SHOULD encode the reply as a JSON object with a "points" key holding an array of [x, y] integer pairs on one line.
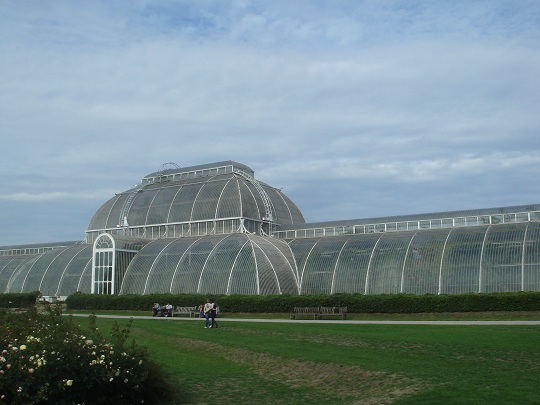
{"points": [[225, 192], [225, 264]]}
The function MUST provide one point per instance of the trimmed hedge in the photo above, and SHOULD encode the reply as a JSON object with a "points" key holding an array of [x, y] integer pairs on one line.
{"points": [[355, 303], [18, 300]]}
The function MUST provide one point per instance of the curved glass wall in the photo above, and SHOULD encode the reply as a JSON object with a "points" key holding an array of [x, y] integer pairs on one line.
{"points": [[9, 266], [224, 264], [58, 272], [493, 258]]}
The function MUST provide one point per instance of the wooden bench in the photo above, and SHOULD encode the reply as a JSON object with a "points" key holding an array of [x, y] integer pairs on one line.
{"points": [[191, 311], [333, 311], [319, 312], [305, 311]]}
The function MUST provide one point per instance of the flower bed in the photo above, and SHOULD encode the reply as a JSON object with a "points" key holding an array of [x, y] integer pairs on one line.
{"points": [[46, 358]]}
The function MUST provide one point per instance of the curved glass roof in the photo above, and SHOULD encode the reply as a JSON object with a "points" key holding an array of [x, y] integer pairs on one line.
{"points": [[206, 192], [226, 264], [492, 258], [58, 272]]}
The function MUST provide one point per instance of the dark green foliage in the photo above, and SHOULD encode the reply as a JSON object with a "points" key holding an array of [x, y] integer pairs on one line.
{"points": [[18, 300], [48, 359], [355, 303]]}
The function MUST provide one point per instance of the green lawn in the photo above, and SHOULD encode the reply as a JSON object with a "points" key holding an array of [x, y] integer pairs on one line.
{"points": [[285, 363]]}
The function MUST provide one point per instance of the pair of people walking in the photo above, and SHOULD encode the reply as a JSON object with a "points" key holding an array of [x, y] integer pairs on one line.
{"points": [[210, 313]]}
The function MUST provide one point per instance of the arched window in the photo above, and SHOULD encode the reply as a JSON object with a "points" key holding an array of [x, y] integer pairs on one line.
{"points": [[103, 269]]}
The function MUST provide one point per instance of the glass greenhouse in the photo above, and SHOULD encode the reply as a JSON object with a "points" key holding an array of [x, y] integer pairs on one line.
{"points": [[215, 229]]}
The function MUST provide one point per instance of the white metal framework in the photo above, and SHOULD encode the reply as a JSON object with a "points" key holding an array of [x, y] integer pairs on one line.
{"points": [[110, 260]]}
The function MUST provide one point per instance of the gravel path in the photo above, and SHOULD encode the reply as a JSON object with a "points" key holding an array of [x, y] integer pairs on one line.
{"points": [[333, 321]]}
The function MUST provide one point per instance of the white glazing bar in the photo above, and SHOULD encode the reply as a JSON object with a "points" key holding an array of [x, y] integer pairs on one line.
{"points": [[442, 259], [305, 264], [113, 272], [187, 251], [157, 256], [233, 266], [369, 264], [405, 261], [65, 269], [481, 270], [523, 258], [210, 257], [336, 265]]}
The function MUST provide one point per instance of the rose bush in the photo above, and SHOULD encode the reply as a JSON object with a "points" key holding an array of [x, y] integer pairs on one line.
{"points": [[46, 358]]}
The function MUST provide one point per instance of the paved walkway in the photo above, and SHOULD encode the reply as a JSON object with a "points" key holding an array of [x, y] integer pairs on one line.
{"points": [[332, 321]]}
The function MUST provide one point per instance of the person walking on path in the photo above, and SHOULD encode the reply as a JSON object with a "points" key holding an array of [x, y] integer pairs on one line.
{"points": [[213, 313], [207, 310]]}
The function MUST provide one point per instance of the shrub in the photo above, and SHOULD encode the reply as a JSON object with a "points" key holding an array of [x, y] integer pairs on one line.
{"points": [[355, 303], [18, 300], [46, 358]]}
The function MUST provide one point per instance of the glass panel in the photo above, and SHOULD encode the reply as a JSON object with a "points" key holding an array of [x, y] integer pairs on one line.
{"points": [[158, 212], [138, 212], [471, 221], [319, 268], [501, 267], [484, 219], [351, 269], [522, 217], [412, 225], [447, 223], [229, 202], [509, 218], [387, 264], [421, 272], [205, 206], [402, 226], [461, 264], [243, 278], [183, 203]]}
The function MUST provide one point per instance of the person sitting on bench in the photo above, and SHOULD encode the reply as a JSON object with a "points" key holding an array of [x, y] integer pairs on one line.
{"points": [[167, 311], [156, 309]]}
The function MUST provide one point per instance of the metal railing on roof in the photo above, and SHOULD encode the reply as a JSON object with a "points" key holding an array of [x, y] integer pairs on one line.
{"points": [[25, 251], [410, 225]]}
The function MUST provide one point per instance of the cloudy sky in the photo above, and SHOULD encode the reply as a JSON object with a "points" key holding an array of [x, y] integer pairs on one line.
{"points": [[355, 108]]}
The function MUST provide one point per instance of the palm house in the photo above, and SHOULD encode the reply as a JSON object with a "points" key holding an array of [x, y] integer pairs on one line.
{"points": [[216, 229]]}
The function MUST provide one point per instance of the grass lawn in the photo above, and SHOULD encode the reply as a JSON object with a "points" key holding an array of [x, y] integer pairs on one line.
{"points": [[288, 363]]}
